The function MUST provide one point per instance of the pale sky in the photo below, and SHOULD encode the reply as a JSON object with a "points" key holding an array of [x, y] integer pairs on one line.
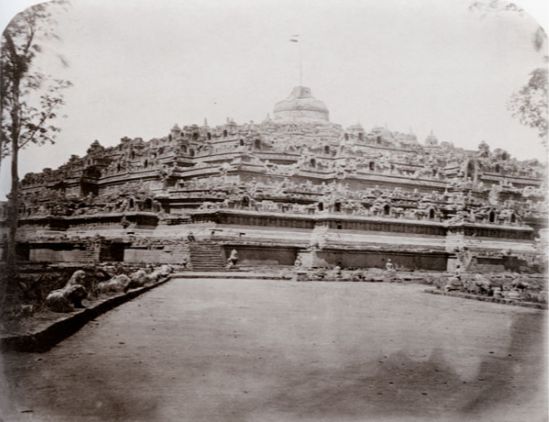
{"points": [[139, 66]]}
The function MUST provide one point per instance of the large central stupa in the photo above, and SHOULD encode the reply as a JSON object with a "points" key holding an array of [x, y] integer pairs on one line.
{"points": [[301, 106]]}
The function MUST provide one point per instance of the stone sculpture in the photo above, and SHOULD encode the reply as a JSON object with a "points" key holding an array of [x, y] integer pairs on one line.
{"points": [[70, 296], [137, 279], [232, 260], [117, 284], [159, 273]]}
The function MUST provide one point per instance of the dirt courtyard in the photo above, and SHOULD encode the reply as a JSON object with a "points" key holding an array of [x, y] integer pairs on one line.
{"points": [[260, 350]]}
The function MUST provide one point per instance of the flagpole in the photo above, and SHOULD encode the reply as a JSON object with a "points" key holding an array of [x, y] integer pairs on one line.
{"points": [[295, 38], [300, 65]]}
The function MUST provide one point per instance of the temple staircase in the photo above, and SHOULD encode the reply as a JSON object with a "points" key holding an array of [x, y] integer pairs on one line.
{"points": [[206, 256]]}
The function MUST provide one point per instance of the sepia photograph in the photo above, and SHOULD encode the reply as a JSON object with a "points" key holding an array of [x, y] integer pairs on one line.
{"points": [[274, 211]]}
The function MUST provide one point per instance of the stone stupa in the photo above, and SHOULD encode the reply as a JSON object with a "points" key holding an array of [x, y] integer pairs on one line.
{"points": [[301, 106]]}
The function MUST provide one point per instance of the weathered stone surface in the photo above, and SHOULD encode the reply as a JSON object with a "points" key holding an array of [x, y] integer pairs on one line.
{"points": [[117, 284]]}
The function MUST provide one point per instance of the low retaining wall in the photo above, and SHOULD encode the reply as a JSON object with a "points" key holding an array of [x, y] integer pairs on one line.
{"points": [[66, 325]]}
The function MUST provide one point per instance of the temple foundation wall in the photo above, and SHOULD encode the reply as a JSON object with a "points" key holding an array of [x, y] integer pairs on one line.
{"points": [[50, 254], [176, 254], [374, 259], [262, 255]]}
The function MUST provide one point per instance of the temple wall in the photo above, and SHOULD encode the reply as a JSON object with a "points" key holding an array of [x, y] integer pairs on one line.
{"points": [[68, 255], [487, 265], [365, 259], [373, 180], [258, 255], [387, 227], [341, 222], [170, 254], [298, 115]]}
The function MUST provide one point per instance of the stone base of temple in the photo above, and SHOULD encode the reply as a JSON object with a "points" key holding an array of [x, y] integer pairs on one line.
{"points": [[203, 241], [349, 258]]}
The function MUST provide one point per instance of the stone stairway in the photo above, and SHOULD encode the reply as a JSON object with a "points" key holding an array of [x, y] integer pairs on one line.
{"points": [[206, 256]]}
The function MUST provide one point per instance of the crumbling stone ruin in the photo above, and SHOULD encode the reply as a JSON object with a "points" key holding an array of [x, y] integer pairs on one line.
{"points": [[510, 286]]}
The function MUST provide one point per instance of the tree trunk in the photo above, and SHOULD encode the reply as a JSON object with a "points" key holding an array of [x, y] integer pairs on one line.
{"points": [[11, 256], [2, 137], [13, 202]]}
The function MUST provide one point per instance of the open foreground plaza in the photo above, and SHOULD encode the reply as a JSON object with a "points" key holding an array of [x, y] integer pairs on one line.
{"points": [[262, 350]]}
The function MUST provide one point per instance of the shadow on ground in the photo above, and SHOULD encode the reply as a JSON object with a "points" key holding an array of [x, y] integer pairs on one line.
{"points": [[398, 387]]}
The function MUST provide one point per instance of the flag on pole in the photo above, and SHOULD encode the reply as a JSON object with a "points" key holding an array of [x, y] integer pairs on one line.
{"points": [[295, 38]]}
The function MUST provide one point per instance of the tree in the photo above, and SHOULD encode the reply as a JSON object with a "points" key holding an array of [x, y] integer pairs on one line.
{"points": [[29, 102], [529, 104], [484, 7]]}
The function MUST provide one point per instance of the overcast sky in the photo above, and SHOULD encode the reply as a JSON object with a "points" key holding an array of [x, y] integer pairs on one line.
{"points": [[139, 66]]}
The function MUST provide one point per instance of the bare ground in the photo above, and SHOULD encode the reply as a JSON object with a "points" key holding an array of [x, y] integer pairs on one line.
{"points": [[258, 350]]}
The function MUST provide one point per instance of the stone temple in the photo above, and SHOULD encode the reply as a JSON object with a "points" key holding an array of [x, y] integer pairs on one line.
{"points": [[293, 188]]}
